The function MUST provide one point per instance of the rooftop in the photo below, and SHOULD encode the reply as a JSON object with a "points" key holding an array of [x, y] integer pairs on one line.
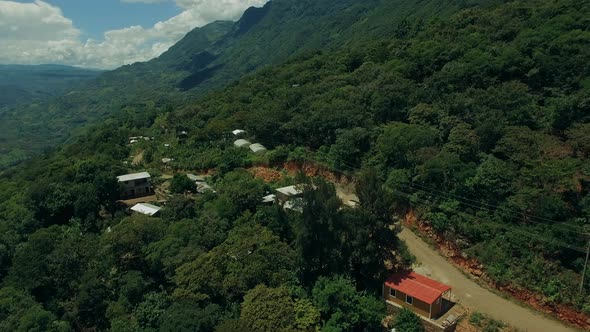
{"points": [[238, 132], [417, 286], [257, 147], [197, 178], [269, 199], [291, 190], [242, 143], [145, 208], [135, 176]]}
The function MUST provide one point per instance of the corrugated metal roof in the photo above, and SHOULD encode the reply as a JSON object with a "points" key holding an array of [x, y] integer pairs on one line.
{"points": [[258, 148], [242, 143], [417, 286], [145, 208], [291, 190], [135, 176]]}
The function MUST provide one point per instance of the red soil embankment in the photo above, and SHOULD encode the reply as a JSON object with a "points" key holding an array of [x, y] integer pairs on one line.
{"points": [[474, 268]]}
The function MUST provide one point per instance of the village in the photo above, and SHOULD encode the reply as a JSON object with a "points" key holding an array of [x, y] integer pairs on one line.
{"points": [[431, 300]]}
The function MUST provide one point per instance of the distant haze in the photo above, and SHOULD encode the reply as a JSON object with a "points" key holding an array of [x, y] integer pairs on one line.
{"points": [[39, 32]]}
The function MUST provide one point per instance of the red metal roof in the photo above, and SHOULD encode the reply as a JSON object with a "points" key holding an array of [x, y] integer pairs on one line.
{"points": [[417, 286]]}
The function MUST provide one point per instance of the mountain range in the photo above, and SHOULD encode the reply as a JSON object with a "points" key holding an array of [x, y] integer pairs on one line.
{"points": [[206, 58]]}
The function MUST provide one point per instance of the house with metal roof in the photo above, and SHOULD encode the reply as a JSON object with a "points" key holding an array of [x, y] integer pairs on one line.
{"points": [[286, 193], [258, 148], [135, 185], [242, 143], [418, 293], [147, 209]]}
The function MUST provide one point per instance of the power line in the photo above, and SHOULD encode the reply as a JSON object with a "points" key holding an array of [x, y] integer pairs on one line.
{"points": [[577, 228], [508, 227], [553, 223], [532, 235], [354, 167]]}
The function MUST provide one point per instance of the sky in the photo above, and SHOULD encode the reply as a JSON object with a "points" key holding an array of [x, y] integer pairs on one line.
{"points": [[103, 34]]}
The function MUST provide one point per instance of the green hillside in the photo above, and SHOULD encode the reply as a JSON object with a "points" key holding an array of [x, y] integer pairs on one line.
{"points": [[209, 57], [473, 117]]}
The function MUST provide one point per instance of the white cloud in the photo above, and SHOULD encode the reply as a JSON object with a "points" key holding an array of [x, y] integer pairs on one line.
{"points": [[38, 32], [143, 1]]}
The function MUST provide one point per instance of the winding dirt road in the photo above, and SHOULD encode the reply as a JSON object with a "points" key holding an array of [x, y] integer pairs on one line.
{"points": [[471, 295]]}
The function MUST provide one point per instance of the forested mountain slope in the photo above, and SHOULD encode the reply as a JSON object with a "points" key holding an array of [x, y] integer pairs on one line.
{"points": [[210, 57], [25, 84], [476, 120]]}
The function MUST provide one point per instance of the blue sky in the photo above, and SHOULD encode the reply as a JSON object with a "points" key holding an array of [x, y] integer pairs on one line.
{"points": [[103, 33], [94, 17]]}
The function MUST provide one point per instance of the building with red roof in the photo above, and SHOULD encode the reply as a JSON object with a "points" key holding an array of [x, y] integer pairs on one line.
{"points": [[416, 292]]}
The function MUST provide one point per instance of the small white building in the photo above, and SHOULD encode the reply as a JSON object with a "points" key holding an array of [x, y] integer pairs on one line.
{"points": [[269, 199], [258, 148], [167, 160], [197, 178], [242, 143], [238, 132], [147, 209], [286, 193]]}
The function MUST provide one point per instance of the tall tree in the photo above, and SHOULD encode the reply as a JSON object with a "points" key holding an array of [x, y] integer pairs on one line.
{"points": [[370, 238], [318, 238]]}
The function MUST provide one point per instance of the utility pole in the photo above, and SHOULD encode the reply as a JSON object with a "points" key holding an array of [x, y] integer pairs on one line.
{"points": [[584, 271]]}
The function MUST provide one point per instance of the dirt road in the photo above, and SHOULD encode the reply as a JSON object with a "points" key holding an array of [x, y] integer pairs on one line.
{"points": [[471, 295]]}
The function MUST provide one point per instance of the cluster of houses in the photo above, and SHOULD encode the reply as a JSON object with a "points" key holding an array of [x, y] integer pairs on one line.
{"points": [[256, 148], [407, 289], [135, 139], [138, 185]]}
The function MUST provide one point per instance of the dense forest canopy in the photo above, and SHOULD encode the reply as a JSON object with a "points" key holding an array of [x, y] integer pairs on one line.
{"points": [[477, 119]]}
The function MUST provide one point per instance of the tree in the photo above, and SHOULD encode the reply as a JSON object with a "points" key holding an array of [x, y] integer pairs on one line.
{"points": [[251, 255], [51, 262], [180, 184], [318, 240], [19, 312], [238, 192], [345, 309], [407, 321], [268, 309], [178, 208], [125, 245], [186, 316], [370, 241], [464, 142], [53, 203], [579, 137], [150, 311], [349, 148], [399, 140], [307, 316]]}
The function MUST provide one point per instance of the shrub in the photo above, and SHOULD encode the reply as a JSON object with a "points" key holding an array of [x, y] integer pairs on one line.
{"points": [[407, 321]]}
